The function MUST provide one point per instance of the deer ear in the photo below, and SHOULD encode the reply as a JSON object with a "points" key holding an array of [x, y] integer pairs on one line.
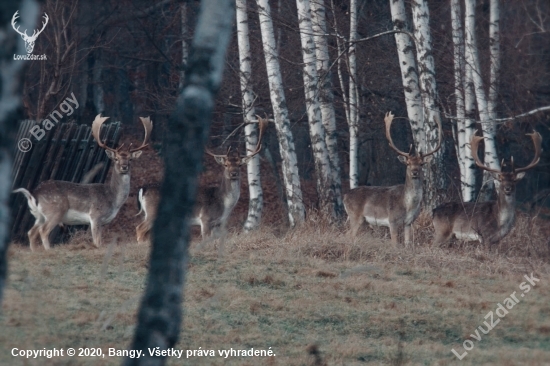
{"points": [[402, 159], [220, 160], [519, 176], [427, 159], [496, 176], [136, 154], [110, 154]]}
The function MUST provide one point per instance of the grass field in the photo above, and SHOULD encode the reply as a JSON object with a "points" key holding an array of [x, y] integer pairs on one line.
{"points": [[313, 295]]}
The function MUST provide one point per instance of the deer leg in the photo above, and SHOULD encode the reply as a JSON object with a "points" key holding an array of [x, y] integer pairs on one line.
{"points": [[143, 231], [46, 228], [354, 225], [139, 233], [408, 237], [443, 230], [34, 234], [96, 233], [394, 233]]}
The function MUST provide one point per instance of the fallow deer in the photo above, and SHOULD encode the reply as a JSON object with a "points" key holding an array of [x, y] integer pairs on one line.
{"points": [[56, 202], [487, 222], [397, 206], [214, 204]]}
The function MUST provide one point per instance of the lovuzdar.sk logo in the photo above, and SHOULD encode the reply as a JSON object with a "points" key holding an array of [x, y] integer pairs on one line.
{"points": [[29, 40]]}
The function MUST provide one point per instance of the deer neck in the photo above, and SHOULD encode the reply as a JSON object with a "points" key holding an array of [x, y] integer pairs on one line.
{"points": [[412, 192], [230, 190], [120, 188], [506, 208]]}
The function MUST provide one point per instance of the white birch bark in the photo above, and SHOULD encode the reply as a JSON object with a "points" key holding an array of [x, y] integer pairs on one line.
{"points": [[494, 39], [487, 125], [435, 182], [464, 126], [326, 98], [255, 204], [325, 188], [296, 210], [409, 74], [353, 107]]}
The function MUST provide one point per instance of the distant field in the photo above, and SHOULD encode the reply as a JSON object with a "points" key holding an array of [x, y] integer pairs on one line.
{"points": [[358, 302]]}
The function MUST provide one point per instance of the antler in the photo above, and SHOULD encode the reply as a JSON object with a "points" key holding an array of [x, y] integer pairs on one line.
{"points": [[148, 126], [537, 141], [474, 145], [388, 119], [96, 128], [216, 155], [439, 131], [24, 34], [13, 19], [40, 31], [263, 125]]}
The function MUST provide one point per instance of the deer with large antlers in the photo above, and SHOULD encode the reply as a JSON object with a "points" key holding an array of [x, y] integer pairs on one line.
{"points": [[487, 222], [397, 206], [214, 204], [56, 202], [29, 40]]}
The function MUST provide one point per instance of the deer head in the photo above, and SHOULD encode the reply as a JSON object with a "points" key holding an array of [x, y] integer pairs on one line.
{"points": [[414, 161], [121, 157], [508, 180], [29, 41], [233, 160]]}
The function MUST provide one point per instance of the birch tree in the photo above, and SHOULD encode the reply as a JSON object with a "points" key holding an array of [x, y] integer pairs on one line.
{"points": [[325, 187], [255, 204], [409, 74], [353, 114], [494, 41], [435, 182], [349, 93], [488, 126], [296, 210], [160, 312], [326, 97], [464, 102]]}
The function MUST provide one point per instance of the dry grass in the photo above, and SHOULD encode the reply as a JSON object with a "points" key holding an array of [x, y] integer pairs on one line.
{"points": [[313, 295]]}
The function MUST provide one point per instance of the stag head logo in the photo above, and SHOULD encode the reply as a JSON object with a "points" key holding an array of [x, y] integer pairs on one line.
{"points": [[29, 40]]}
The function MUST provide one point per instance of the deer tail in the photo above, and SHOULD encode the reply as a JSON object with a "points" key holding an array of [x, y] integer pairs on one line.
{"points": [[139, 201], [33, 204]]}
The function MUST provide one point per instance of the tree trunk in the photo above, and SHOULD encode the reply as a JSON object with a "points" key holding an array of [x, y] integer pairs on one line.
{"points": [[409, 74], [487, 125], [326, 97], [184, 46], [494, 39], [464, 126], [11, 73], [325, 186], [255, 204], [160, 313], [296, 210], [435, 177], [353, 100]]}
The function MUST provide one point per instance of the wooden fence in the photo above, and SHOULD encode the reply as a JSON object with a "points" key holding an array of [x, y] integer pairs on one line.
{"points": [[66, 152]]}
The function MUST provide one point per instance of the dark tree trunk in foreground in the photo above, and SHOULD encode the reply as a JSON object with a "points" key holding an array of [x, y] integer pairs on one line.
{"points": [[10, 108], [160, 313]]}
